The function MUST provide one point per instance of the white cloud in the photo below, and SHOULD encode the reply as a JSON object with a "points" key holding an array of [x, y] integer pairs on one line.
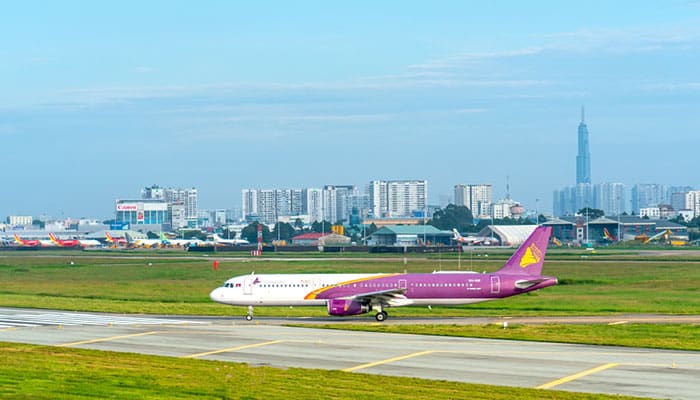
{"points": [[671, 87], [466, 58]]}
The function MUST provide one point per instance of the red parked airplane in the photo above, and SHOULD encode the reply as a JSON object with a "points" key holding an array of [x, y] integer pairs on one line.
{"points": [[64, 243], [118, 241], [27, 243]]}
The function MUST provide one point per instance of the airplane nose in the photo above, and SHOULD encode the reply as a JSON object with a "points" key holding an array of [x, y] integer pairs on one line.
{"points": [[216, 294]]}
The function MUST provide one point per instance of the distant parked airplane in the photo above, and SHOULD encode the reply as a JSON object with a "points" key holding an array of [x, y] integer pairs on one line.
{"points": [[608, 236], [27, 243], [89, 243], [234, 242], [148, 243], [474, 240], [118, 241], [352, 294], [64, 243], [179, 242]]}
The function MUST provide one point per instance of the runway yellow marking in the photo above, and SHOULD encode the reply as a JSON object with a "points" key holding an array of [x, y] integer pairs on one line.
{"points": [[581, 374], [231, 349], [107, 339], [618, 323], [388, 360], [7, 329]]}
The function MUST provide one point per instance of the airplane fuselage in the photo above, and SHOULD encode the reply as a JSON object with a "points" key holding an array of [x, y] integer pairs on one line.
{"points": [[419, 289]]}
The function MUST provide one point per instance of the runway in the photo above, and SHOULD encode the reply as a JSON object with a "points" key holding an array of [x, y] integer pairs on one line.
{"points": [[580, 368]]}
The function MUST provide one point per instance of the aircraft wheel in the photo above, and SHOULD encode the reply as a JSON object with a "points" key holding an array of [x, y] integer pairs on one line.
{"points": [[381, 316]]}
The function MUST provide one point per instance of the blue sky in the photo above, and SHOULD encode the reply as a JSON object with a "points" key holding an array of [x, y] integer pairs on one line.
{"points": [[98, 100]]}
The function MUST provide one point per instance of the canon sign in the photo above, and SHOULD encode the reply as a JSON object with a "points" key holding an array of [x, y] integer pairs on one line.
{"points": [[126, 207]]}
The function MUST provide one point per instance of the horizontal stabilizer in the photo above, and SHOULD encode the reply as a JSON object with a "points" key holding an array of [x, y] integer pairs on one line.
{"points": [[524, 284]]}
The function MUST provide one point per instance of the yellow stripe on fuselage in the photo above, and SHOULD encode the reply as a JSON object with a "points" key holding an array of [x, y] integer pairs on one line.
{"points": [[312, 295]]}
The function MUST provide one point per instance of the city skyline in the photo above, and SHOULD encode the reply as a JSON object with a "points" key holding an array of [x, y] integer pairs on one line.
{"points": [[99, 101]]}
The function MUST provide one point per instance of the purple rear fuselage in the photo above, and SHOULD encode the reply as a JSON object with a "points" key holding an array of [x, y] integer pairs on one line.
{"points": [[438, 288]]}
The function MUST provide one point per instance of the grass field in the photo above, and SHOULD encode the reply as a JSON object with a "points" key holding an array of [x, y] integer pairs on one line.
{"points": [[180, 285], [40, 372]]}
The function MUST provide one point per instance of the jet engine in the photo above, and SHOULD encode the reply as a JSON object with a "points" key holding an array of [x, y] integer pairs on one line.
{"points": [[340, 307]]}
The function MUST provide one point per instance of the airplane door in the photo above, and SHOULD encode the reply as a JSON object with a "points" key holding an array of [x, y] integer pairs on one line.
{"points": [[495, 284], [402, 284], [248, 286]]}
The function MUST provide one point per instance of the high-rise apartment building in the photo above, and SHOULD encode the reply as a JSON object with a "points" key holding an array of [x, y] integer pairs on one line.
{"points": [[398, 199], [692, 202], [583, 159], [645, 195], [154, 192], [338, 202], [268, 205], [609, 197], [187, 198], [475, 197], [313, 204]]}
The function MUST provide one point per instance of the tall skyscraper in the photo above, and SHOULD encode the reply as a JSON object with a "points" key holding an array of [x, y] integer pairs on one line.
{"points": [[583, 159]]}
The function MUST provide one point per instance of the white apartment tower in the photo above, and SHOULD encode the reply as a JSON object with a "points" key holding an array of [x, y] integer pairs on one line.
{"points": [[188, 197], [398, 199], [477, 198], [271, 204], [313, 206]]}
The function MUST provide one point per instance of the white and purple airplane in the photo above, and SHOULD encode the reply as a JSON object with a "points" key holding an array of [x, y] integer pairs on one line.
{"points": [[353, 294]]}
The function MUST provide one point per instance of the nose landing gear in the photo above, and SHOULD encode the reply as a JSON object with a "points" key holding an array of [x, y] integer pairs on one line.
{"points": [[249, 316]]}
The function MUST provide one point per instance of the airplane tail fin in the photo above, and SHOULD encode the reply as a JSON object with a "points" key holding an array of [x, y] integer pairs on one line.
{"points": [[109, 237], [528, 259], [457, 236], [52, 237], [18, 240], [128, 237]]}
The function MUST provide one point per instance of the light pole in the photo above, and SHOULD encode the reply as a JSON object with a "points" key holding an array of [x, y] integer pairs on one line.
{"points": [[619, 226], [587, 212]]}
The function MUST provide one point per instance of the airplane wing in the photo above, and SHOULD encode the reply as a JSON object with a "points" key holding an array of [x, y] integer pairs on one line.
{"points": [[391, 297]]}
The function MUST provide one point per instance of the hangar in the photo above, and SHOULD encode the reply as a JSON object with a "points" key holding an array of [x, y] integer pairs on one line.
{"points": [[508, 235]]}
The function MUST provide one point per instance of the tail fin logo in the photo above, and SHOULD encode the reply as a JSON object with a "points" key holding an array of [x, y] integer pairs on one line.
{"points": [[532, 255]]}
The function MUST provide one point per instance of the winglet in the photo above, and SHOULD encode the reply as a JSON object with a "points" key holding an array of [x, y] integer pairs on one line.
{"points": [[528, 259]]}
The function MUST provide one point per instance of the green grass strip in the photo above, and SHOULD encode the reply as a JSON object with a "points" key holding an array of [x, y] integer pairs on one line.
{"points": [[41, 372]]}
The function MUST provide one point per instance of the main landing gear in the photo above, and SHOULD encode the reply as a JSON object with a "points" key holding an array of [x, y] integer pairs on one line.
{"points": [[381, 314], [249, 316]]}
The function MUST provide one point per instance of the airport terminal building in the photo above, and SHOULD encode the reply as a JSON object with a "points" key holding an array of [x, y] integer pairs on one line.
{"points": [[142, 212]]}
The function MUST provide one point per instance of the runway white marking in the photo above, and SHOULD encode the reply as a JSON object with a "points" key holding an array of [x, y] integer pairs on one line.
{"points": [[26, 320]]}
